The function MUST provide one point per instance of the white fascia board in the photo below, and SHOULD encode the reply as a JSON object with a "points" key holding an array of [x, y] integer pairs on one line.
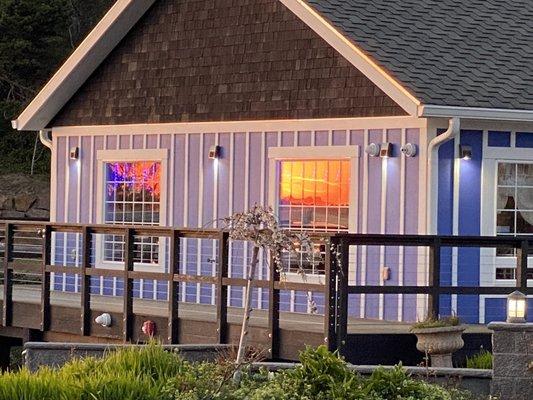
{"points": [[82, 63], [394, 89], [428, 111]]}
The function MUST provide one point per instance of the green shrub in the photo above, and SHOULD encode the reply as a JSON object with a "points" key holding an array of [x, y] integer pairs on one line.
{"points": [[482, 360], [151, 373]]}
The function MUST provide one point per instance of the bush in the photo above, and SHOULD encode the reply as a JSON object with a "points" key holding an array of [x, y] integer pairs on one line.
{"points": [[482, 360], [151, 373]]}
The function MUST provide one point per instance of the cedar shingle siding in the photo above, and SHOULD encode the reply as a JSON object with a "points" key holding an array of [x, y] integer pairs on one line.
{"points": [[223, 60]]}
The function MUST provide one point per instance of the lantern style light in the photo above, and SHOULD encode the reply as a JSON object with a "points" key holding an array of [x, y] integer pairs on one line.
{"points": [[516, 308]]}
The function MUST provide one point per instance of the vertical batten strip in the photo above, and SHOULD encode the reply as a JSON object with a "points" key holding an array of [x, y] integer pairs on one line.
{"points": [[383, 224], [401, 249], [185, 212], [364, 249], [246, 205], [215, 220], [200, 214], [79, 171], [230, 203], [263, 202]]}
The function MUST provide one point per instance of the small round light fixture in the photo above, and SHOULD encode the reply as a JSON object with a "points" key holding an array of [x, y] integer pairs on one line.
{"points": [[409, 149], [516, 308], [104, 320], [373, 149]]}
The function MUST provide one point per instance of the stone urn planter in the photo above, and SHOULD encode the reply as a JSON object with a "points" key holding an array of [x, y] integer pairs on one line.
{"points": [[440, 343]]}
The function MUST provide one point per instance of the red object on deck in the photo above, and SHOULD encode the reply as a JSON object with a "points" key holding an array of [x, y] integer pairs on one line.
{"points": [[149, 328]]}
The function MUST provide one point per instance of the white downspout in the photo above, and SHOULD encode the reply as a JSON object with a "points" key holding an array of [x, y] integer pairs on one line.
{"points": [[453, 131], [44, 137]]}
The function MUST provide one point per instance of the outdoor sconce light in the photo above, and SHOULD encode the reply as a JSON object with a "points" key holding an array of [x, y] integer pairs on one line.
{"points": [[104, 320], [516, 308], [215, 152], [386, 150], [373, 149], [74, 153], [409, 149], [465, 152]]}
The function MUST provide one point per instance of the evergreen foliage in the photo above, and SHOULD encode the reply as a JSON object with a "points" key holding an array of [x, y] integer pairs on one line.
{"points": [[36, 36]]}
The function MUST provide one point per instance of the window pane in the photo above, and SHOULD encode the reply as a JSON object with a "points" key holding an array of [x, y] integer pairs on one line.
{"points": [[506, 174], [132, 197], [505, 222], [524, 222], [314, 194], [524, 199], [525, 175], [506, 198]]}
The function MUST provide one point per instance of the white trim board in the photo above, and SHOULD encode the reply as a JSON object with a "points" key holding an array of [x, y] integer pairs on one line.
{"points": [[285, 125], [82, 63]]}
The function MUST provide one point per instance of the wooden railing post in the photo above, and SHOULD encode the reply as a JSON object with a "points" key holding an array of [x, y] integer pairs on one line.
{"points": [[7, 309], [343, 260], [434, 278], [85, 287], [273, 308], [127, 317], [522, 254], [45, 278], [330, 295], [173, 288], [222, 289]]}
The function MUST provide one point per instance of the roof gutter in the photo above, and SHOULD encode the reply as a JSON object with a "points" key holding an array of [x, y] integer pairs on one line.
{"points": [[44, 137], [454, 129], [501, 114]]}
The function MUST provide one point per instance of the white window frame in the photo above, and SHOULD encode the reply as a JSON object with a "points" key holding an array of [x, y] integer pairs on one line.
{"points": [[489, 260], [302, 153], [107, 156]]}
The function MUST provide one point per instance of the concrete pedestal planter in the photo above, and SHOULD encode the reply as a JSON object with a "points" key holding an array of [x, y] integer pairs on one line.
{"points": [[440, 343]]}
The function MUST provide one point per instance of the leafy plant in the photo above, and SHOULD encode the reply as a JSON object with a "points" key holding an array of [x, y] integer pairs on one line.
{"points": [[482, 360], [432, 322], [151, 373]]}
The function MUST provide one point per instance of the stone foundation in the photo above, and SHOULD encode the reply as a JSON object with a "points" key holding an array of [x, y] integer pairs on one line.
{"points": [[512, 346]]}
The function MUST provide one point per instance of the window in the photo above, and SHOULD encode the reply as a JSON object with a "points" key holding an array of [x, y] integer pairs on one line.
{"points": [[514, 207], [132, 197], [314, 195]]}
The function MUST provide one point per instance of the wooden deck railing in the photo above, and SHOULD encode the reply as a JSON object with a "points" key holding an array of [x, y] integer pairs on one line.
{"points": [[24, 241]]}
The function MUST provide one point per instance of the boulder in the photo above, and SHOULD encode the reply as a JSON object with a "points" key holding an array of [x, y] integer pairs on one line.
{"points": [[24, 202]]}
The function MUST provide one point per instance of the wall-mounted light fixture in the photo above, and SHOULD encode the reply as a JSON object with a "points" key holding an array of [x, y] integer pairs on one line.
{"points": [[385, 150], [74, 153], [465, 152], [409, 149], [373, 149], [516, 308], [215, 152]]}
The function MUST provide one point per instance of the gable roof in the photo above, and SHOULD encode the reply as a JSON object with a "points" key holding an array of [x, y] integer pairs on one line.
{"points": [[433, 57], [475, 53]]}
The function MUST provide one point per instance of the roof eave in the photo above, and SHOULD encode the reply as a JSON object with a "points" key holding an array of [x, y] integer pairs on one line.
{"points": [[499, 114], [81, 64]]}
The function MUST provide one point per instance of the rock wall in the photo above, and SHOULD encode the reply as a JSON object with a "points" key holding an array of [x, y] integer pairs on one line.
{"points": [[24, 197]]}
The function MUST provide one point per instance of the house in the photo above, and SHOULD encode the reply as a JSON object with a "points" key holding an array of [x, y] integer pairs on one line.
{"points": [[366, 116]]}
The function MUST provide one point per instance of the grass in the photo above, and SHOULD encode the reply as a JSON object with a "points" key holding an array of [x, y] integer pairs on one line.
{"points": [[151, 373], [482, 360], [437, 322]]}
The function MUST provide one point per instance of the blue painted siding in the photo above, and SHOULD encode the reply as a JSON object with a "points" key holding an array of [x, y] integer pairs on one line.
{"points": [[445, 215], [499, 139], [524, 140], [468, 263]]}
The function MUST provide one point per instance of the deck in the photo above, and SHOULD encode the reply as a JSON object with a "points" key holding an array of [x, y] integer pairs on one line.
{"points": [[36, 311]]}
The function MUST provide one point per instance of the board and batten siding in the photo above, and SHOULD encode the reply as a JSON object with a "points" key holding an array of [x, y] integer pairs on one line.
{"points": [[201, 191], [466, 206]]}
